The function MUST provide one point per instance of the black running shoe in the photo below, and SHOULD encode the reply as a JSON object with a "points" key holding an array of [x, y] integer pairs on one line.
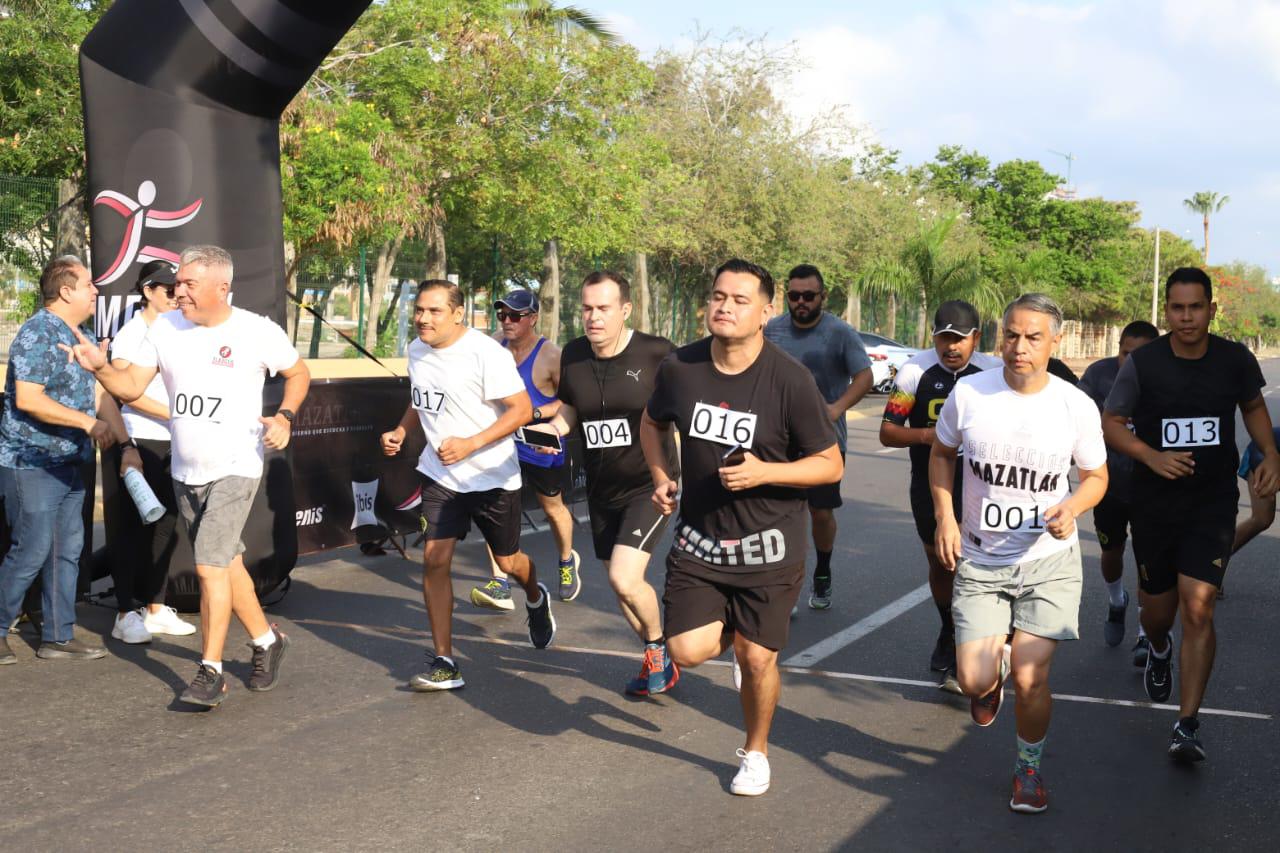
{"points": [[1140, 651], [820, 598], [1158, 675], [208, 688], [441, 675], [944, 651], [1185, 746], [70, 650], [1113, 628], [542, 625], [266, 663]]}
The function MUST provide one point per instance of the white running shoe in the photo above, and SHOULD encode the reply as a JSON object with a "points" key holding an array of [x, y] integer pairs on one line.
{"points": [[753, 775], [737, 674], [166, 621], [129, 627]]}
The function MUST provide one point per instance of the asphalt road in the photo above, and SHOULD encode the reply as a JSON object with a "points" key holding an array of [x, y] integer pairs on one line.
{"points": [[541, 751]]}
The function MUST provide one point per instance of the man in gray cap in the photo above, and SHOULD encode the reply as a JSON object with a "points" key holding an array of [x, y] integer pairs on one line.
{"points": [[538, 363]]}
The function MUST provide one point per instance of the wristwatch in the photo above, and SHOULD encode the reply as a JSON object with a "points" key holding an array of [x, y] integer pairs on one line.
{"points": [[287, 414], [537, 413]]}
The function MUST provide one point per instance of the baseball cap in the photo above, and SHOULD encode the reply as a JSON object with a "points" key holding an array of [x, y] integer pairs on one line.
{"points": [[156, 272], [519, 300], [955, 317]]}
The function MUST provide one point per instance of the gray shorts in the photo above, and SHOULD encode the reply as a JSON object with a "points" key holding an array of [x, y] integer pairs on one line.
{"points": [[214, 515], [1040, 597]]}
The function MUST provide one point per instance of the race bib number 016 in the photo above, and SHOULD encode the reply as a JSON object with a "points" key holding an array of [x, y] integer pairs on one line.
{"points": [[607, 433], [1010, 518], [201, 406], [723, 426], [1189, 432], [428, 400]]}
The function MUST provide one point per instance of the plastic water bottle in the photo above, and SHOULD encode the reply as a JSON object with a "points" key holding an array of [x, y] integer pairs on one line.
{"points": [[149, 507]]}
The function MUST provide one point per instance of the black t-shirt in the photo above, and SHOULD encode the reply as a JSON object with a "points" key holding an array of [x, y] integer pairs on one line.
{"points": [[1058, 368], [773, 409], [1187, 404], [609, 395]]}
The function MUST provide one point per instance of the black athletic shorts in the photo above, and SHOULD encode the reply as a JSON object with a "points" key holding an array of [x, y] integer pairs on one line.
{"points": [[826, 496], [1198, 547], [548, 482], [922, 507], [496, 513], [755, 604], [637, 524], [1111, 523]]}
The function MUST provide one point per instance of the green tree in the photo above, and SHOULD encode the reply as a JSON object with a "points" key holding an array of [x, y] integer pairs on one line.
{"points": [[1206, 204]]}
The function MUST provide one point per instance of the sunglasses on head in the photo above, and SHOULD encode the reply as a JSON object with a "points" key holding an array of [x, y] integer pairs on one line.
{"points": [[511, 316], [803, 295]]}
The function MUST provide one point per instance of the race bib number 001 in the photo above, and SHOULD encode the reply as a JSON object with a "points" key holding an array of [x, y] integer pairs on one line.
{"points": [[1189, 432], [607, 433], [428, 400], [723, 426], [202, 406], [1010, 518]]}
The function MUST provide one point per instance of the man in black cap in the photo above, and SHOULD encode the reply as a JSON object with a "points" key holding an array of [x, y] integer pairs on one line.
{"points": [[919, 390]]}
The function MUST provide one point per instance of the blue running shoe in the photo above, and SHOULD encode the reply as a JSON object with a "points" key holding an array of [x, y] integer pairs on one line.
{"points": [[663, 673]]}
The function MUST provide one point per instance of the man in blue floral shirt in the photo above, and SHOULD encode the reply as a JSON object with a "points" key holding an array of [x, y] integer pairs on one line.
{"points": [[46, 433]]}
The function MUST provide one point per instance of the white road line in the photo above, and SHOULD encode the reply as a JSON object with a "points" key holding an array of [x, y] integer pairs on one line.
{"points": [[890, 449], [858, 630], [794, 670]]}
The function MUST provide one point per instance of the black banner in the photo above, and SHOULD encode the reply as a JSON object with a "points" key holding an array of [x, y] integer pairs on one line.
{"points": [[182, 100]]}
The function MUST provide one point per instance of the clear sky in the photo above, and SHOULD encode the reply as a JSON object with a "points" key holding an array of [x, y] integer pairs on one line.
{"points": [[1155, 98]]}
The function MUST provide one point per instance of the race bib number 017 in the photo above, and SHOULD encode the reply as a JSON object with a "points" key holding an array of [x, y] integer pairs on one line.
{"points": [[607, 433], [1010, 518], [1189, 432], [201, 406], [723, 426], [427, 400]]}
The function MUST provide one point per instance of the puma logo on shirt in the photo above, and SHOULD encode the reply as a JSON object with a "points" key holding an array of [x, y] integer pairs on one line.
{"points": [[635, 374]]}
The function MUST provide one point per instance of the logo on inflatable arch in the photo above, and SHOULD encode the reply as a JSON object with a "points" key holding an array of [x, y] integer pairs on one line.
{"points": [[138, 216]]}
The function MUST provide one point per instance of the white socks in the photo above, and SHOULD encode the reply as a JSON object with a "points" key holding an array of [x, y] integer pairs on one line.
{"points": [[215, 665], [265, 641], [1115, 589]]}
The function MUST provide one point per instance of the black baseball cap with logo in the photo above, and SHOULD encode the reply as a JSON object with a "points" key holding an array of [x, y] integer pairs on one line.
{"points": [[956, 317], [156, 272]]}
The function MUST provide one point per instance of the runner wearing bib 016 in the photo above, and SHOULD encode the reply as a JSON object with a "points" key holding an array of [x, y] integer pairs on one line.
{"points": [[723, 426]]}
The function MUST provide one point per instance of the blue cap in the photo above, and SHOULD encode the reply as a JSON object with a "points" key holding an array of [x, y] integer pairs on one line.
{"points": [[519, 300]]}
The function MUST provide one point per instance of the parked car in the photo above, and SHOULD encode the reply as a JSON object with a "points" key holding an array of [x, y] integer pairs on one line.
{"points": [[887, 356]]}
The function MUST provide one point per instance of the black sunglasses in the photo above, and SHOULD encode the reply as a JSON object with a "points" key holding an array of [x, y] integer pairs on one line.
{"points": [[803, 295], [169, 289], [512, 316]]}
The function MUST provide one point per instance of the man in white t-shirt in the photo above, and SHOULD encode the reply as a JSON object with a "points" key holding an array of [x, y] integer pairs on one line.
{"points": [[468, 399], [213, 359], [1019, 573]]}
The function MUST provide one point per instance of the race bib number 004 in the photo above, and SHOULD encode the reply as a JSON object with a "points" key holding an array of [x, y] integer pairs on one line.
{"points": [[428, 400], [1189, 432], [1010, 518], [607, 433], [723, 426], [202, 406]]}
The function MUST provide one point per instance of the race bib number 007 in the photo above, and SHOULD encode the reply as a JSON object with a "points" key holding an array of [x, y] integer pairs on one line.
{"points": [[607, 433], [1010, 518], [1189, 432], [428, 400], [203, 406], [723, 426]]}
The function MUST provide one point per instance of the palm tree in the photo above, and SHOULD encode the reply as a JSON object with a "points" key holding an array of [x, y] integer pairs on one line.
{"points": [[566, 19], [1206, 203]]}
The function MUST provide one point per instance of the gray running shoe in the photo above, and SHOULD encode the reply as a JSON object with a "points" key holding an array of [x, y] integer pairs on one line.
{"points": [[571, 578], [494, 595], [266, 663], [1113, 628], [207, 689], [70, 650], [6, 654]]}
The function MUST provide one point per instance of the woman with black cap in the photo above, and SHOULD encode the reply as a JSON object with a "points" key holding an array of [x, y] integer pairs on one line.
{"points": [[140, 553]]}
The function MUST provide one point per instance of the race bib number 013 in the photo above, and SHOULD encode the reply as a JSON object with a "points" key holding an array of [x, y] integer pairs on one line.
{"points": [[201, 406], [1189, 432], [428, 400], [607, 433], [1010, 518], [723, 426]]}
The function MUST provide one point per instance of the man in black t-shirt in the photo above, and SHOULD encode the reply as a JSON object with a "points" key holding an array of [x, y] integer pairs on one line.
{"points": [[1181, 392], [919, 390], [606, 378], [754, 435]]}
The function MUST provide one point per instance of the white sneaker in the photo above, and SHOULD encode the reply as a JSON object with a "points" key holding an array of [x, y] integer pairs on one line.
{"points": [[129, 627], [167, 621], [753, 776], [737, 674]]}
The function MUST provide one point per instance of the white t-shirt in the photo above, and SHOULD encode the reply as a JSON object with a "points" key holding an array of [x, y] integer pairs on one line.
{"points": [[125, 345], [214, 376], [1017, 455], [455, 391]]}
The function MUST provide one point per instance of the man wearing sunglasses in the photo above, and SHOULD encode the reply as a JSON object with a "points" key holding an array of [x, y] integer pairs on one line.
{"points": [[834, 354], [538, 362]]}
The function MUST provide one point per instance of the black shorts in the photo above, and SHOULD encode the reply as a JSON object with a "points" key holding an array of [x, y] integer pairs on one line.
{"points": [[1198, 547], [922, 507], [496, 512], [757, 605], [1111, 523], [547, 482], [826, 496], [637, 524]]}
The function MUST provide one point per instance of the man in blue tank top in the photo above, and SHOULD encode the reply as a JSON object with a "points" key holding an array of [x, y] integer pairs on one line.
{"points": [[538, 362]]}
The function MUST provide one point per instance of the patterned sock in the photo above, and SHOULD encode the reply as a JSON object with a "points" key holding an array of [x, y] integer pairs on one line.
{"points": [[1029, 754]]}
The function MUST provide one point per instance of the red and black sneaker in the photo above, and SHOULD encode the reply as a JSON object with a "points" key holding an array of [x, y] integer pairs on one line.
{"points": [[1028, 791], [983, 709]]}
